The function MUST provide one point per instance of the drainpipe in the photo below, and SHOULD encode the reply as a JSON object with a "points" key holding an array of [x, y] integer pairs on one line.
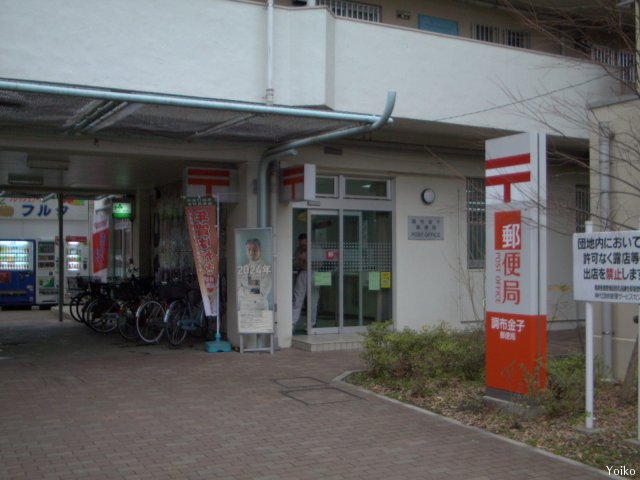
{"points": [[289, 148], [269, 94], [605, 214]]}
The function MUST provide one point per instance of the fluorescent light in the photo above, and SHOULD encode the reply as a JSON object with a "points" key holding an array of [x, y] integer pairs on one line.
{"points": [[48, 164], [25, 180]]}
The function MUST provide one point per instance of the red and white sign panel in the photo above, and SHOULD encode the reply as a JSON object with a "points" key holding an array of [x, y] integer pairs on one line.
{"points": [[206, 182], [298, 183], [516, 262]]}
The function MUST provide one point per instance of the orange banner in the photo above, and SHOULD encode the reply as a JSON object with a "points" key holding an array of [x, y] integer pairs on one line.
{"points": [[203, 233]]}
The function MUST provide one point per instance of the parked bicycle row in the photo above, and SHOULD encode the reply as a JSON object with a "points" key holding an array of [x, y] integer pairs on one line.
{"points": [[141, 310]]}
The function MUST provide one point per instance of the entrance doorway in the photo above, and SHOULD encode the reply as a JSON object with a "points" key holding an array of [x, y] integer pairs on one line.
{"points": [[348, 260]]}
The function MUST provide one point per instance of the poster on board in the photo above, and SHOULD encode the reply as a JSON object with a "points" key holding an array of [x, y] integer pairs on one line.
{"points": [[254, 280]]}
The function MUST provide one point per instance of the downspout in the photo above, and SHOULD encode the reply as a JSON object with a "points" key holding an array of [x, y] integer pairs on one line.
{"points": [[605, 216], [269, 94], [289, 148]]}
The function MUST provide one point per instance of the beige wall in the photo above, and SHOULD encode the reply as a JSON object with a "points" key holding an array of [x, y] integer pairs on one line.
{"points": [[624, 122]]}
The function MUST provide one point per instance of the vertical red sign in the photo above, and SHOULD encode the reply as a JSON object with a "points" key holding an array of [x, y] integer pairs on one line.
{"points": [[515, 319]]}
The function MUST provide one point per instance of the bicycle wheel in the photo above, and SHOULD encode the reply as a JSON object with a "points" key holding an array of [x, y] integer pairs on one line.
{"points": [[102, 315], [177, 312], [127, 322], [76, 305], [150, 321]]}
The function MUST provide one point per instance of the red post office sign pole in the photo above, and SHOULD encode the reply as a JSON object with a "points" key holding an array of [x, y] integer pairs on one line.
{"points": [[516, 270]]}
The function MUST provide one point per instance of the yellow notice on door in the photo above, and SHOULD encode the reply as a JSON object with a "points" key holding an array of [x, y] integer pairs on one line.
{"points": [[374, 281], [385, 279], [322, 279]]}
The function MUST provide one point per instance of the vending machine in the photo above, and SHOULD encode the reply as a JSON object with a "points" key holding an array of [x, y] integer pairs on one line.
{"points": [[17, 272], [46, 274], [76, 261]]}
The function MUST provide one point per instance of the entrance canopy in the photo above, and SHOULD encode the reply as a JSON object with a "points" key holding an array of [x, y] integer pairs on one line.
{"points": [[83, 140]]}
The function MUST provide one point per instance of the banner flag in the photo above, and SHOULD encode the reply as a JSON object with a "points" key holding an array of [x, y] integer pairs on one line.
{"points": [[202, 220]]}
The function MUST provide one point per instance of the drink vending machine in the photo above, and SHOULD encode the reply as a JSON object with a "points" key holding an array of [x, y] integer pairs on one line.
{"points": [[47, 282], [17, 272], [76, 261]]}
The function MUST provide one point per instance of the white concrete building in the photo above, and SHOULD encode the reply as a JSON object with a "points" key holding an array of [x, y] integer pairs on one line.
{"points": [[166, 85]]}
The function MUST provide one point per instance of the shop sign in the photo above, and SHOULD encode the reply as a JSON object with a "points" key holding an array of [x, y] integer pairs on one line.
{"points": [[298, 183], [515, 262], [36, 209], [606, 267], [426, 228], [122, 210], [206, 182]]}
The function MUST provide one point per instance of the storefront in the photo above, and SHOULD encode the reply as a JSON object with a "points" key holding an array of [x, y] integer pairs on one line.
{"points": [[348, 255]]}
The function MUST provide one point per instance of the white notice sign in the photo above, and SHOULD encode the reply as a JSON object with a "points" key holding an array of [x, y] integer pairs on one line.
{"points": [[606, 267]]}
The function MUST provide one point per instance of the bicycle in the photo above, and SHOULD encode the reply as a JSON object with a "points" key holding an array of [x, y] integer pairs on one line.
{"points": [[186, 315], [150, 322]]}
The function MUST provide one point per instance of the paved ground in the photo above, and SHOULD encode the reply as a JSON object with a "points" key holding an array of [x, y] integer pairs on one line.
{"points": [[76, 405]]}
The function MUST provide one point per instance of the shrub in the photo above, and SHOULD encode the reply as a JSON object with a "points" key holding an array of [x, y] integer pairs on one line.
{"points": [[438, 352], [564, 392]]}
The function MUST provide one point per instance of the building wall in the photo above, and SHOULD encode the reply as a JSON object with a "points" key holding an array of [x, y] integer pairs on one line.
{"points": [[218, 50], [623, 119], [430, 279]]}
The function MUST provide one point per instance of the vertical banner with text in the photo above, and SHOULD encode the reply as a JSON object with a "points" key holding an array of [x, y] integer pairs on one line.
{"points": [[202, 221], [516, 263]]}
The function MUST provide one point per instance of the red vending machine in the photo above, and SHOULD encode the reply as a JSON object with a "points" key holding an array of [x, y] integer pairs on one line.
{"points": [[17, 272]]}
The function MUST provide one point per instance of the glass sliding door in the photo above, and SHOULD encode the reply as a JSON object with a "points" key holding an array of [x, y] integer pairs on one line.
{"points": [[367, 267], [323, 287], [348, 259]]}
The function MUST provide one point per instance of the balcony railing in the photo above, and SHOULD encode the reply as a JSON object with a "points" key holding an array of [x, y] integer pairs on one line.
{"points": [[622, 59], [356, 10]]}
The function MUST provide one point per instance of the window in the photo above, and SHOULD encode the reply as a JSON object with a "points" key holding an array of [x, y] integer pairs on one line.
{"points": [[437, 25], [515, 38], [356, 10], [476, 221], [485, 33], [512, 38], [366, 188], [326, 186], [583, 206]]}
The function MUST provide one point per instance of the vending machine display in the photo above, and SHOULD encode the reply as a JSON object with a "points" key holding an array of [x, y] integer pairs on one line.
{"points": [[76, 261], [17, 272], [46, 273]]}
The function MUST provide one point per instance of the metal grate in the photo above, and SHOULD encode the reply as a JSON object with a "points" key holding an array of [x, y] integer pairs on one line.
{"points": [[622, 59], [583, 206], [476, 222], [356, 10], [510, 37]]}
